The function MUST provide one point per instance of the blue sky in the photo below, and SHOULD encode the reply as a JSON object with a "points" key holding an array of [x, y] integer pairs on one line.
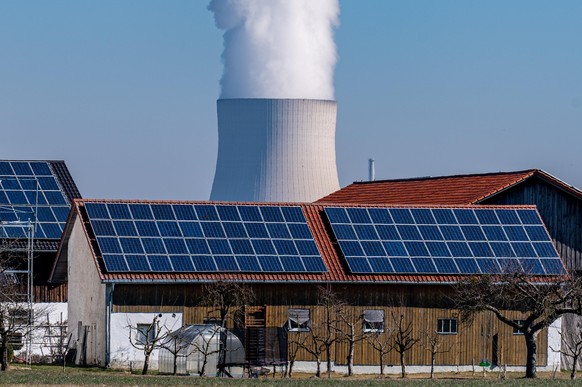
{"points": [[125, 91]]}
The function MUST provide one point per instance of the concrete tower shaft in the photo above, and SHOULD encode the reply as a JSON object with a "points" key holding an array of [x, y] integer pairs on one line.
{"points": [[275, 150]]}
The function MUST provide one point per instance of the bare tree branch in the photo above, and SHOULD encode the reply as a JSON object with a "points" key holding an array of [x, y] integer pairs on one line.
{"points": [[541, 300]]}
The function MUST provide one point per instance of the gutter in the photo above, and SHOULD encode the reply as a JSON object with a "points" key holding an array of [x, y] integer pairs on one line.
{"points": [[190, 282]]}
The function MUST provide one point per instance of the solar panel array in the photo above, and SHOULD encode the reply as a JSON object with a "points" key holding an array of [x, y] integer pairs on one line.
{"points": [[29, 191], [444, 241], [140, 237]]}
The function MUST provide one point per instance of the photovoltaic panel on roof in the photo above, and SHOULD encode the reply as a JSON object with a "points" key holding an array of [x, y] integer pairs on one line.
{"points": [[30, 193], [164, 238], [444, 241]]}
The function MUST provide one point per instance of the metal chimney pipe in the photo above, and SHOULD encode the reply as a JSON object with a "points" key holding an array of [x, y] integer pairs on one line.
{"points": [[371, 170]]}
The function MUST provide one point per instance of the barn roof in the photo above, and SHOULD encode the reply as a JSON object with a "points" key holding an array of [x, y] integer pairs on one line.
{"points": [[337, 267], [449, 190], [40, 191]]}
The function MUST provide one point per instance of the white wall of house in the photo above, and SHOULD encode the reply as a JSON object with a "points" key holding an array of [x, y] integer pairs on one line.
{"points": [[45, 332], [86, 296], [46, 338], [123, 354]]}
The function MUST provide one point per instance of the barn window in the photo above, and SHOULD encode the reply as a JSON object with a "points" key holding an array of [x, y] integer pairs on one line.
{"points": [[374, 320], [145, 333], [520, 323], [447, 326], [298, 320]]}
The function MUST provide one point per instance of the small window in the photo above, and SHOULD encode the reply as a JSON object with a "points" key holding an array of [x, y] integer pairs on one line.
{"points": [[374, 320], [298, 320], [145, 333], [447, 326], [520, 323]]}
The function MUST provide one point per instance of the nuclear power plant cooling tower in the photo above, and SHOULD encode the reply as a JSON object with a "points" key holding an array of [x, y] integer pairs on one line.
{"points": [[275, 150]]}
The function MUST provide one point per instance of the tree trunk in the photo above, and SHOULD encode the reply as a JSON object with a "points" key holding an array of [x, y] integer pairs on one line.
{"points": [[4, 352], [574, 363], [318, 372], [402, 365], [382, 363], [531, 345], [175, 365], [290, 370], [328, 362], [146, 364], [203, 369], [351, 352], [432, 361]]}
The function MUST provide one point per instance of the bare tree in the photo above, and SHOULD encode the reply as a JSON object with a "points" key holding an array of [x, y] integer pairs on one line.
{"points": [[333, 308], [383, 344], [206, 349], [193, 340], [177, 345], [542, 301], [15, 320], [227, 301], [572, 346], [296, 341], [404, 339], [431, 341], [323, 335], [147, 338], [352, 332]]}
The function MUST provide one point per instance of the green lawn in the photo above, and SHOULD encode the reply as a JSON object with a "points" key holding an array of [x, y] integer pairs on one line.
{"points": [[80, 376]]}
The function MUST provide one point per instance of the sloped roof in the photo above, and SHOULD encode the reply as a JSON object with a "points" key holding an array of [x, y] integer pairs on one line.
{"points": [[441, 190], [66, 180], [68, 187], [337, 270]]}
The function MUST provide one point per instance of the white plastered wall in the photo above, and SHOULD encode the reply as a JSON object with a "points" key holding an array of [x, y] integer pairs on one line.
{"points": [[86, 301], [123, 354]]}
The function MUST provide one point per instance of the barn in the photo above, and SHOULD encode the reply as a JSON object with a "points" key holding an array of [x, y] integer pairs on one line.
{"points": [[559, 204], [35, 198], [128, 261]]}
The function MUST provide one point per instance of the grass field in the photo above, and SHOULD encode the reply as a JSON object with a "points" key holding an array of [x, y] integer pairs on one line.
{"points": [[71, 376]]}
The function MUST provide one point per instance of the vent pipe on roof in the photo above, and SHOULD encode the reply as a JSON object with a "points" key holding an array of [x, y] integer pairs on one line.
{"points": [[371, 170]]}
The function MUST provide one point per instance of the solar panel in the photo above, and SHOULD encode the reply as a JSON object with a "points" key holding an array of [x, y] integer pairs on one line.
{"points": [[141, 237], [29, 191], [443, 240]]}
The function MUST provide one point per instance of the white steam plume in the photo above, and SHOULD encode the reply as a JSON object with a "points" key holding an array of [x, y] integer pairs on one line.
{"points": [[277, 48]]}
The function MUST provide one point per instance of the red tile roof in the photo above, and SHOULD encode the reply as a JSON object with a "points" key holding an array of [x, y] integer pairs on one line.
{"points": [[450, 190], [337, 270]]}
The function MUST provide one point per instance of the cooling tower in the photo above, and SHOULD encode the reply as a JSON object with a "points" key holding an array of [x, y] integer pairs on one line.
{"points": [[275, 150]]}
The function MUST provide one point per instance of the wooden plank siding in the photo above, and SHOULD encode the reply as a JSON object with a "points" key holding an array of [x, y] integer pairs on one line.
{"points": [[50, 292], [560, 211], [421, 304]]}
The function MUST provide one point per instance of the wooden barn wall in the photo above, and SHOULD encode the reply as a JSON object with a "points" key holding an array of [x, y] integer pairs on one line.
{"points": [[50, 293], [421, 305], [561, 212]]}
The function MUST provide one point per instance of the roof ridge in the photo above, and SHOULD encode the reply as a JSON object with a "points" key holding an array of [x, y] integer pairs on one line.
{"points": [[506, 186], [533, 170]]}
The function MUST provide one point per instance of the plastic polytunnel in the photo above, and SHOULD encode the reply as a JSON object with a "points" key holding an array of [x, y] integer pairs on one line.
{"points": [[196, 350]]}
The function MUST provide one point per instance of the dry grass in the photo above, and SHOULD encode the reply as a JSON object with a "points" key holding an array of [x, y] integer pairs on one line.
{"points": [[73, 376]]}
